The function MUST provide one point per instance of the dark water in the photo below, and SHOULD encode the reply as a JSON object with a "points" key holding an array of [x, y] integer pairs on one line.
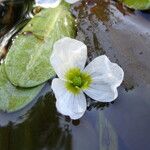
{"points": [[124, 35], [14, 14]]}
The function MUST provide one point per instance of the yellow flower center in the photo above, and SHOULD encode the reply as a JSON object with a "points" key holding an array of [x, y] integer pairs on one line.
{"points": [[77, 80]]}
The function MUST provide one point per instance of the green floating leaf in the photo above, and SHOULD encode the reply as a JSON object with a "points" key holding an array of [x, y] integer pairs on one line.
{"points": [[28, 61], [137, 4], [13, 98]]}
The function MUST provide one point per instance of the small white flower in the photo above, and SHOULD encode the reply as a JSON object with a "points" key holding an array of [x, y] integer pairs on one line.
{"points": [[99, 79], [51, 3]]}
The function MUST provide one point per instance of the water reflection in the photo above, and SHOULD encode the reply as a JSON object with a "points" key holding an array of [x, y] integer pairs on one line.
{"points": [[14, 14], [42, 129], [125, 37], [107, 134], [106, 27], [11, 11]]}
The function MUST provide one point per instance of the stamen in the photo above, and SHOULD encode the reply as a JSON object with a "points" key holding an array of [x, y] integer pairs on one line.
{"points": [[77, 80]]}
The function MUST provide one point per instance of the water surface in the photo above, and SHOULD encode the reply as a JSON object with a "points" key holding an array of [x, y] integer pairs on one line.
{"points": [[107, 28]]}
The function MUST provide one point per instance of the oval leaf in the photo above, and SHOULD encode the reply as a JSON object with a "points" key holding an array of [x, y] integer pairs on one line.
{"points": [[28, 61], [137, 4], [13, 98]]}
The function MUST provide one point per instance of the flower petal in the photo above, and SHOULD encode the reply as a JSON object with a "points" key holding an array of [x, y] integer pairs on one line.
{"points": [[106, 76], [71, 1], [102, 92], [68, 53], [47, 3], [68, 103]]}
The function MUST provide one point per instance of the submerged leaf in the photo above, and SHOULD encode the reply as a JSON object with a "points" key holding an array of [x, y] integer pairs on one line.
{"points": [[13, 98], [137, 4], [27, 63]]}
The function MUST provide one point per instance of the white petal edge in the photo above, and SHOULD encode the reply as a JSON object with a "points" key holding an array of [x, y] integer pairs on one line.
{"points": [[67, 103], [68, 53], [47, 3], [102, 93], [102, 69], [72, 1], [106, 77]]}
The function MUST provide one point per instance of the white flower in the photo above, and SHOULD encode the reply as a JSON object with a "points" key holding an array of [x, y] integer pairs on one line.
{"points": [[51, 3], [99, 79]]}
